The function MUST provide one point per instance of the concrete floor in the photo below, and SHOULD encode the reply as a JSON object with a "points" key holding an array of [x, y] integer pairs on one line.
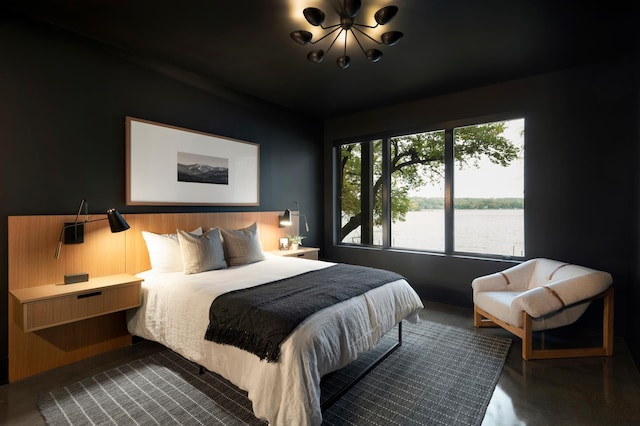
{"points": [[581, 391], [577, 391]]}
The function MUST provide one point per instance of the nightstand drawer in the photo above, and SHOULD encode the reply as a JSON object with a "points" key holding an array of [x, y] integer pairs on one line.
{"points": [[74, 307], [310, 253], [313, 255]]}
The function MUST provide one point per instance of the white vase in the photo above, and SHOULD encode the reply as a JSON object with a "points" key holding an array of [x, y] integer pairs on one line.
{"points": [[294, 246]]}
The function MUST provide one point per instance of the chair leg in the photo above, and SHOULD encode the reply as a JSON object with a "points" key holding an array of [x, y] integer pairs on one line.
{"points": [[477, 318], [527, 336], [480, 320]]}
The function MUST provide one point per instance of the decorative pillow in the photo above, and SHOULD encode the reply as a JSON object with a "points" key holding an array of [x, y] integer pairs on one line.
{"points": [[201, 252], [164, 251], [242, 246]]}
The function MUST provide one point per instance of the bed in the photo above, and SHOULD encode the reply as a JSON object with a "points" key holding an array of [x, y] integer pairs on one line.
{"points": [[175, 312]]}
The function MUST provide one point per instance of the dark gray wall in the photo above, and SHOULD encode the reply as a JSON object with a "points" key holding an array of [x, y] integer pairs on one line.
{"points": [[63, 102], [581, 178], [634, 290]]}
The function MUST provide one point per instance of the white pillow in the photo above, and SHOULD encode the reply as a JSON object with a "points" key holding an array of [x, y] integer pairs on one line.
{"points": [[164, 251], [242, 246], [201, 252]]}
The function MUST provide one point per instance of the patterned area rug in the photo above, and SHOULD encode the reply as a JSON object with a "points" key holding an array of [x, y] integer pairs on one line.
{"points": [[439, 376]]}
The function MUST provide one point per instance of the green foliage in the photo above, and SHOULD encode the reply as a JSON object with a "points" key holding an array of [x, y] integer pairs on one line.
{"points": [[295, 239], [416, 160], [351, 179], [423, 203]]}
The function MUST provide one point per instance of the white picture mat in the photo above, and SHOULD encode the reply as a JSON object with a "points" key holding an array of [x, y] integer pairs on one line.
{"points": [[152, 152]]}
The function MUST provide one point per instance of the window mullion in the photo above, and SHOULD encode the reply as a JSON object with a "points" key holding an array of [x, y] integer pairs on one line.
{"points": [[338, 179], [367, 196], [448, 191], [386, 193]]}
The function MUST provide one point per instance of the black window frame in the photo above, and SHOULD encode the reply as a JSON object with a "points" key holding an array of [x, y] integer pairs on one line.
{"points": [[449, 166]]}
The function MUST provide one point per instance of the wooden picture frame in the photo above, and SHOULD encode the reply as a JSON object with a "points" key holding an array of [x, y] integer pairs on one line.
{"points": [[284, 243], [169, 165]]}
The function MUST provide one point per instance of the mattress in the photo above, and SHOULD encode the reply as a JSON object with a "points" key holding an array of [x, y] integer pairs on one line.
{"points": [[175, 313]]}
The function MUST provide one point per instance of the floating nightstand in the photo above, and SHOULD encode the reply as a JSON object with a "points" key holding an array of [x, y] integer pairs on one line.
{"points": [[302, 252], [56, 304]]}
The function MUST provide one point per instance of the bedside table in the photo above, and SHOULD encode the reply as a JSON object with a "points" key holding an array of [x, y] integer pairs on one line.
{"points": [[302, 252], [55, 304]]}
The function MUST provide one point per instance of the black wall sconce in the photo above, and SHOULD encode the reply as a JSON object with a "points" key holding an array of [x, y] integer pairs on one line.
{"points": [[285, 218], [73, 233]]}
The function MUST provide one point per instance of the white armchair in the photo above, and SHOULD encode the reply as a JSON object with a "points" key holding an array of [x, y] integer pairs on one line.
{"points": [[541, 294]]}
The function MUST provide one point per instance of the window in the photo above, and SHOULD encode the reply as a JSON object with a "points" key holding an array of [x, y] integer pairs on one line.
{"points": [[417, 193], [489, 188], [361, 193], [459, 190]]}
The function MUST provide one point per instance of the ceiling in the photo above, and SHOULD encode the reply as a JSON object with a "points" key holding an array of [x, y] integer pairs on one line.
{"points": [[448, 45]]}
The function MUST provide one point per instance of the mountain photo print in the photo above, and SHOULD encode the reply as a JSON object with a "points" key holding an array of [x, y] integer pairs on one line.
{"points": [[202, 169]]}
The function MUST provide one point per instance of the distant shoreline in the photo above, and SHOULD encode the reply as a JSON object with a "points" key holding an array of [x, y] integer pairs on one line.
{"points": [[467, 203]]}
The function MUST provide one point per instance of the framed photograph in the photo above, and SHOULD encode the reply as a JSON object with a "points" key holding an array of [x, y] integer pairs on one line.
{"points": [[284, 244], [168, 165]]}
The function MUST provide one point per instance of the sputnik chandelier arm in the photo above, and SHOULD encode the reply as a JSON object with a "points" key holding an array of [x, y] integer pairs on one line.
{"points": [[348, 13]]}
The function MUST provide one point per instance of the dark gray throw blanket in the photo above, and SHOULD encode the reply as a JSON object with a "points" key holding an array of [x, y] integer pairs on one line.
{"points": [[258, 319]]}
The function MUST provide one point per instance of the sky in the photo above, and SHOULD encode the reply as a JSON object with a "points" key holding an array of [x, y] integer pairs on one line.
{"points": [[187, 158], [490, 180]]}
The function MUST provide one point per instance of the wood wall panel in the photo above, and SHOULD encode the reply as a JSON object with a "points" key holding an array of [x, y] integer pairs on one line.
{"points": [[32, 243], [138, 260]]}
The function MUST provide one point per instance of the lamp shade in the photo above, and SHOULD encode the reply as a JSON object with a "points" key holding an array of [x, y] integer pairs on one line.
{"points": [[316, 55], [386, 14], [314, 16], [285, 219], [116, 221], [301, 37], [343, 62], [351, 8], [373, 55], [391, 38]]}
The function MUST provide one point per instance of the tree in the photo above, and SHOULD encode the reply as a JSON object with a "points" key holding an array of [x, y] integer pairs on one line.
{"points": [[415, 160]]}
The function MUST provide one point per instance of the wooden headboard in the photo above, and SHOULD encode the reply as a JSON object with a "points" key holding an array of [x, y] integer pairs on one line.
{"points": [[32, 243], [137, 259]]}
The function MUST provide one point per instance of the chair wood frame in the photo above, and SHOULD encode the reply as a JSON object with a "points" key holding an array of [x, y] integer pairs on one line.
{"points": [[482, 318]]}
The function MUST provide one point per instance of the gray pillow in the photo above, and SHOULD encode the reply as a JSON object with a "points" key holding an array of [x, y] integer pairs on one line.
{"points": [[242, 246], [201, 253]]}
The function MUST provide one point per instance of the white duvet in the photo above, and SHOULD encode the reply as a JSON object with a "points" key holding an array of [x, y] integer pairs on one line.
{"points": [[175, 312]]}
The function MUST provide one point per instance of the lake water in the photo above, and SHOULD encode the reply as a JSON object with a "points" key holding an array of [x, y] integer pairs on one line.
{"points": [[498, 232]]}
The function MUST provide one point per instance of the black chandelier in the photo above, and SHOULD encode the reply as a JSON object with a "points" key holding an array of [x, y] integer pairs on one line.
{"points": [[347, 24]]}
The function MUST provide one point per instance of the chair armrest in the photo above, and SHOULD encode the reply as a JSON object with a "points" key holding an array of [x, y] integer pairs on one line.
{"points": [[541, 301], [576, 289], [515, 278], [493, 282], [537, 302]]}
